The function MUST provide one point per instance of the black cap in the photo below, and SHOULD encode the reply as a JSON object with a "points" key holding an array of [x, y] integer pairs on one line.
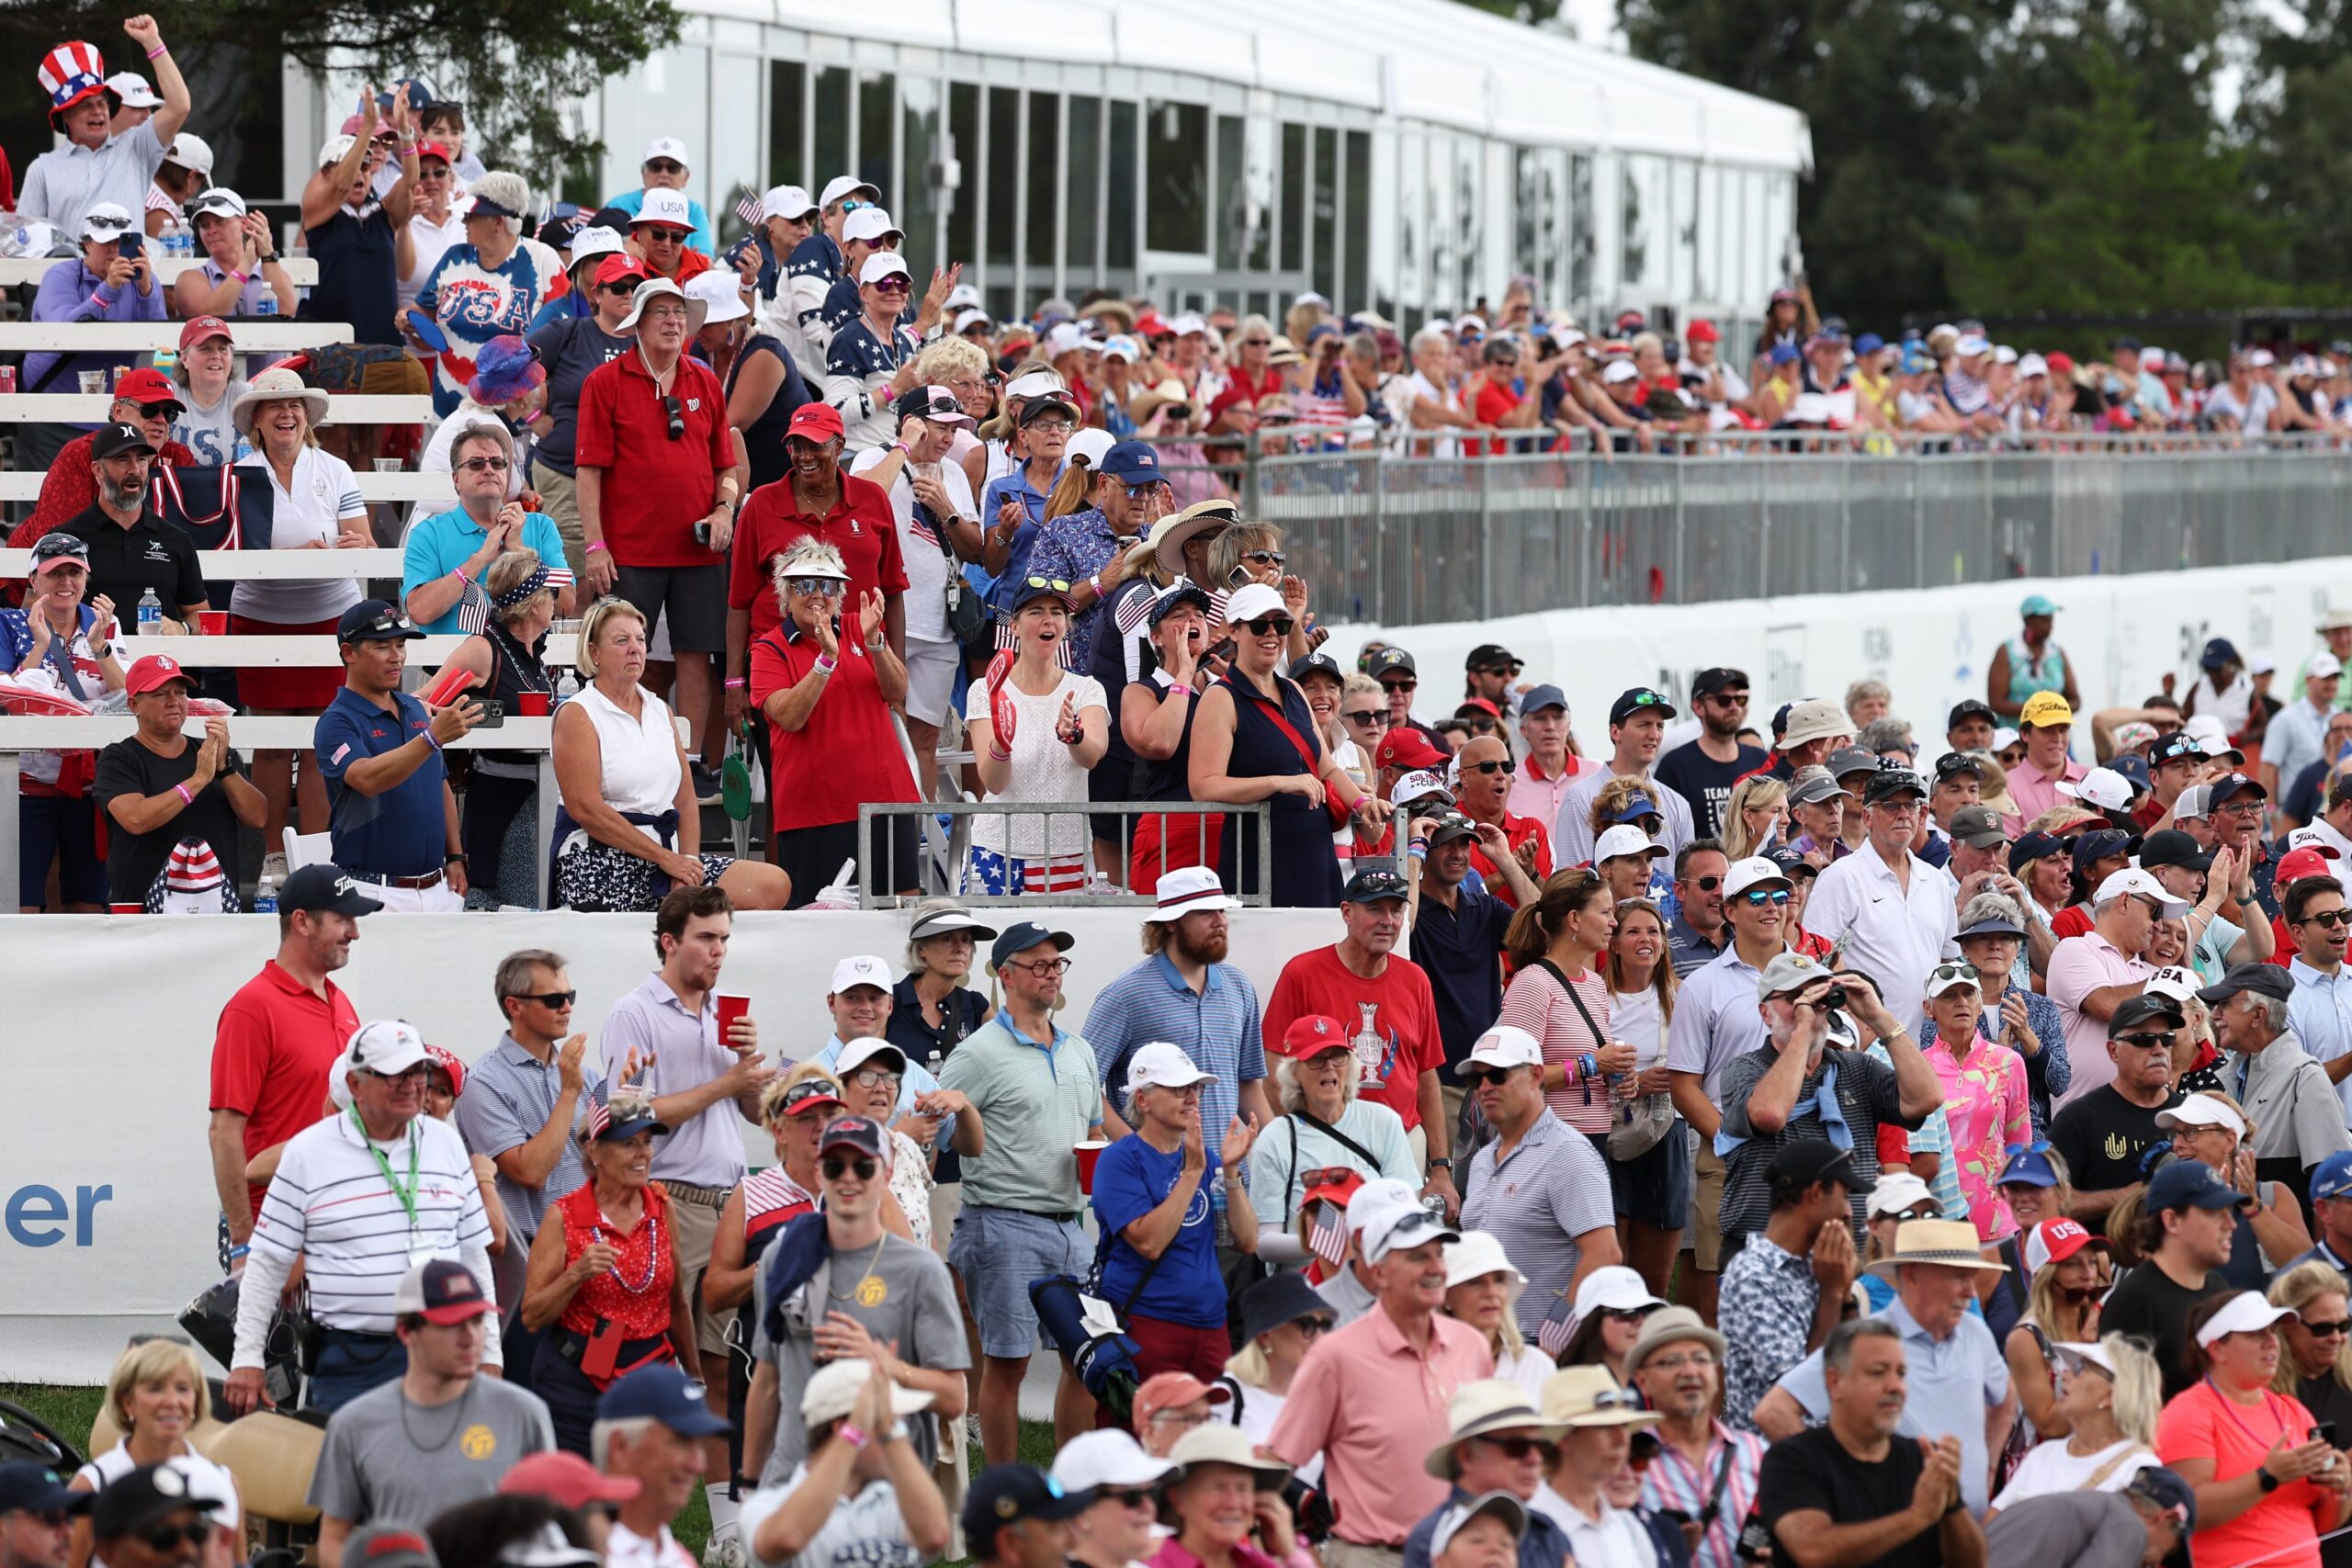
{"points": [[114, 440], [32, 1488], [2221, 789], [1451, 825], [2262, 979], [1389, 660], [59, 546], [2034, 846], [1022, 935], [2173, 846], [1971, 708], [1707, 682], [860, 1133], [149, 1493], [1491, 655], [2168, 1491], [1043, 403], [1007, 1493], [1371, 886], [928, 402], [1639, 699], [1952, 763], [1278, 1298], [2132, 1011], [1791, 862], [372, 620], [1184, 590], [1888, 783], [2170, 747], [1781, 720], [1315, 663], [1800, 1162], [321, 887]]}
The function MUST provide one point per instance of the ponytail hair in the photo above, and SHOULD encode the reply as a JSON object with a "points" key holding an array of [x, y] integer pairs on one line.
{"points": [[1070, 491], [1565, 893]]}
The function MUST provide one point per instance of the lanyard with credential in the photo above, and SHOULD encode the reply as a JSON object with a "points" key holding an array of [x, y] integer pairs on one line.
{"points": [[407, 1195]]}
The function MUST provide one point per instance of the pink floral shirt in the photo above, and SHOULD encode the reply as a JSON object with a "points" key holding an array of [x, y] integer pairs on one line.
{"points": [[1984, 1101]]}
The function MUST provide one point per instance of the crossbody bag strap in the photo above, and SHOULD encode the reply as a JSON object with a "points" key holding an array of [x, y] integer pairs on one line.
{"points": [[1598, 1039], [1715, 1492], [1337, 1136]]}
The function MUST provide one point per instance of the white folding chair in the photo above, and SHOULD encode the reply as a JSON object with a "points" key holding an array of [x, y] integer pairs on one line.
{"points": [[307, 848]]}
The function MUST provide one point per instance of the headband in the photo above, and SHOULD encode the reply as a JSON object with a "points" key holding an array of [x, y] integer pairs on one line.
{"points": [[521, 592]]}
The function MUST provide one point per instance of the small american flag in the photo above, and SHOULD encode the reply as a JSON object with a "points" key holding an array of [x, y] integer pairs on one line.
{"points": [[1327, 1238], [1552, 1335], [600, 1111], [748, 208], [1217, 610], [559, 577]]}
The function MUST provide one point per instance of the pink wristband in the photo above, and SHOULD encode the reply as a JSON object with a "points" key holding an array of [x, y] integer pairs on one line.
{"points": [[159, 51], [737, 684], [186, 799]]}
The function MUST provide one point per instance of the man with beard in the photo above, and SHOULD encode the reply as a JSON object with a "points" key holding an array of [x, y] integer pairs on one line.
{"points": [[1482, 792], [1704, 1470], [1637, 722], [1702, 771], [131, 549]]}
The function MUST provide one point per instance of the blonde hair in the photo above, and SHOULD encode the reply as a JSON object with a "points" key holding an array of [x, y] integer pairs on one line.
{"points": [[947, 357], [507, 573], [1227, 548], [1613, 796], [1070, 490], [1358, 684], [2043, 1307], [1758, 792], [2295, 1289], [2139, 1385], [1662, 975], [592, 627], [142, 1365], [999, 426], [1248, 1367], [772, 1097]]}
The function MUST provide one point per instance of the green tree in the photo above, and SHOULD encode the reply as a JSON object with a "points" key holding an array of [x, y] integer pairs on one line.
{"points": [[2295, 119]]}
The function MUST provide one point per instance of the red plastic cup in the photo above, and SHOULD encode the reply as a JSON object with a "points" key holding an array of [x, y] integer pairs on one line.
{"points": [[126, 908], [533, 705], [1087, 1153], [215, 622], [730, 1009]]}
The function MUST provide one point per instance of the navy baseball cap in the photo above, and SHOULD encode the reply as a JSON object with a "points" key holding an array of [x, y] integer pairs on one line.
{"points": [[1131, 462], [372, 620], [1791, 862], [2034, 846], [1184, 590], [1007, 1493], [1371, 886], [2333, 1178], [1543, 697], [28, 1487], [660, 1390], [2101, 842], [2220, 651], [2190, 1184], [1022, 935]]}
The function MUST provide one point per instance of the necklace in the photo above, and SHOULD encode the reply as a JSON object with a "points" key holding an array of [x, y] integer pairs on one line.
{"points": [[866, 1272], [456, 1422], [652, 1255]]}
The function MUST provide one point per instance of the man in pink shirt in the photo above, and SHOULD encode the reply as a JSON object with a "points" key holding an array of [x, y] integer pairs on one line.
{"points": [[2046, 723], [1371, 1397], [2090, 976], [1548, 767]]}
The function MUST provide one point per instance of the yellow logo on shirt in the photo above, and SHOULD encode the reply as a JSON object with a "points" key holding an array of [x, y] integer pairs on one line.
{"points": [[872, 1292], [478, 1442]]}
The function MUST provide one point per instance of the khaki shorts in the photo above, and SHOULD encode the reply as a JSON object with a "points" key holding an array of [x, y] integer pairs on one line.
{"points": [[696, 1226], [1337, 1553], [560, 498], [1706, 1228]]}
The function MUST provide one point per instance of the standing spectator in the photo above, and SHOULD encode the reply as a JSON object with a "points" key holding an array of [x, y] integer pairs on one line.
{"points": [[489, 286], [1651, 1187], [131, 549], [2285, 1092], [1703, 770], [647, 1428], [1482, 1288], [1992, 938], [1326, 1128], [1696, 932], [68, 646], [1397, 1045], [394, 817], [1559, 999], [1858, 1486], [154, 1503], [1037, 1087], [2045, 722], [864, 1490], [2029, 664], [1703, 1471], [817, 263], [1459, 933], [2092, 975], [1985, 1095], [665, 167], [824, 684], [376, 1468], [1786, 1289], [2099, 1424], [1160, 1244], [436, 222], [874, 1079], [2104, 1136], [1046, 725], [100, 162], [2319, 1004], [932, 1012], [159, 790], [571, 348], [2186, 1223], [1155, 708], [278, 1040], [1540, 1187], [1121, 1525], [350, 228], [1018, 1498], [1374, 1396], [870, 362], [660, 539], [1549, 764], [1483, 771], [343, 1247], [1891, 912], [1637, 722], [2293, 739]]}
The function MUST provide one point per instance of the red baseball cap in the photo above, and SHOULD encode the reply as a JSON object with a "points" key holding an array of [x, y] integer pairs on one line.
{"points": [[567, 1480], [434, 150], [204, 329], [1335, 1188], [148, 385], [1704, 332], [155, 673], [2054, 1241], [2061, 364], [1406, 748], [815, 422], [1482, 705], [1310, 1035], [617, 266], [2296, 864]]}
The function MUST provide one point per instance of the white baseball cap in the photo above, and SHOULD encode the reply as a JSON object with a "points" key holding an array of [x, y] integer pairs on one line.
{"points": [[972, 316], [1399, 1229], [332, 151], [1109, 1458], [104, 220], [1188, 325], [1505, 1045], [1624, 838], [2247, 1313], [387, 1048], [133, 90], [664, 206], [2320, 666], [832, 1390], [2174, 981], [1620, 370], [2132, 882], [963, 297], [1121, 346], [596, 241], [191, 152], [1613, 1288], [861, 969], [882, 264], [867, 223], [842, 186], [1756, 871], [2032, 364], [668, 146], [1382, 1192], [2102, 787], [2202, 1111], [857, 1052], [1896, 1191], [1252, 599], [787, 202], [1159, 1065], [720, 294], [1477, 1254], [1412, 786], [1503, 1505]]}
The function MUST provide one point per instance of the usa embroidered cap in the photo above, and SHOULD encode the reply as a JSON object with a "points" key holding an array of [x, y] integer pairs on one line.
{"points": [[439, 1290], [862, 1133]]}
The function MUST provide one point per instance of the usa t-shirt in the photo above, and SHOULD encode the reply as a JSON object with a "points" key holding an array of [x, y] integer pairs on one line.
{"points": [[475, 303], [1131, 1179]]}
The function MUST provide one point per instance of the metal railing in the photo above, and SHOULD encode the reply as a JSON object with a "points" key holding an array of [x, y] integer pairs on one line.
{"points": [[944, 853]]}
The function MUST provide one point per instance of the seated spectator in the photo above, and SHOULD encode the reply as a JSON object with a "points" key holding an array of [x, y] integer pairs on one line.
{"points": [[664, 167], [69, 486], [349, 229], [100, 160], [206, 372], [1482, 1288], [489, 286], [630, 828], [238, 267], [2103, 1423], [157, 1395], [662, 233], [393, 815], [1037, 727], [2146, 1520], [58, 642], [508, 388], [498, 828], [864, 1490], [826, 699], [1325, 1123], [170, 799], [133, 550], [109, 283], [377, 1466], [446, 558]]}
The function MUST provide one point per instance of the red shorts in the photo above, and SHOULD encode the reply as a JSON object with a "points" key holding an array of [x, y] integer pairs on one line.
{"points": [[1169, 842], [299, 690]]}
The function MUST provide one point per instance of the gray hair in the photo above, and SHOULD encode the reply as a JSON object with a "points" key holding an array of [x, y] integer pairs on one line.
{"points": [[509, 190], [1432, 336], [600, 1436], [917, 916], [807, 554], [1888, 734], [1993, 907], [1293, 1097], [1863, 688], [1838, 1353], [515, 971], [2274, 1012]]}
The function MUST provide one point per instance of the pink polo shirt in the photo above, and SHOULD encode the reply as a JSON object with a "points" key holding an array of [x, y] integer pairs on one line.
{"points": [[1373, 1409], [2034, 792], [1532, 794], [2079, 966]]}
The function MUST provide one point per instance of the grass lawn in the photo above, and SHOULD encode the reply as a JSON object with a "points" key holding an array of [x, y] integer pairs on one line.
{"points": [[73, 1411]]}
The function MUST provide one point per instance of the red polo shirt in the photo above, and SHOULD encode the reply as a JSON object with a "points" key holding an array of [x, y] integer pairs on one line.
{"points": [[271, 1053], [847, 751], [861, 525], [1517, 830], [656, 489]]}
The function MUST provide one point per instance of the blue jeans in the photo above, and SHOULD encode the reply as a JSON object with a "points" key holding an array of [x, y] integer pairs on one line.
{"points": [[350, 1364], [999, 1252]]}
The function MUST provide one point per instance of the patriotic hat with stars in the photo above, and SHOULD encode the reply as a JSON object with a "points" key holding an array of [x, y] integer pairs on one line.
{"points": [[70, 73]]}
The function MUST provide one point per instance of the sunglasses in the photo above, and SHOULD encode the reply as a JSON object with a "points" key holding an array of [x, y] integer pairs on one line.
{"points": [[1645, 700], [1257, 343], [557, 999], [1279, 626], [1139, 1497], [158, 411], [1756, 897], [1478, 1078], [815, 587], [1918, 1212], [2148, 1042], [1055, 583], [1706, 883], [163, 1538], [1378, 716], [833, 1166], [2331, 918], [1263, 557], [1523, 1448], [2328, 1330], [891, 284], [1492, 766], [678, 413], [484, 465], [623, 289], [1398, 685], [1143, 491], [1943, 972]]}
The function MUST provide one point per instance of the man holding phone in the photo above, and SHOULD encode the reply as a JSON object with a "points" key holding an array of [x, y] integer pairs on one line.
{"points": [[111, 281], [395, 819]]}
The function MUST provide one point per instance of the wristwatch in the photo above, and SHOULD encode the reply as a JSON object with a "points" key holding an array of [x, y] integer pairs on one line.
{"points": [[2269, 1482], [1445, 1165]]}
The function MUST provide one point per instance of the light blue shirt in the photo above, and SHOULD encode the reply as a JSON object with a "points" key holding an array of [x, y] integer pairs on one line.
{"points": [[440, 544], [2295, 739], [1219, 1030], [65, 182], [915, 1082], [2320, 1013], [704, 239]]}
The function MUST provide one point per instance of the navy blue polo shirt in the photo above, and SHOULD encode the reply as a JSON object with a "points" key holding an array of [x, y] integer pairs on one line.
{"points": [[1461, 951], [401, 832], [856, 352]]}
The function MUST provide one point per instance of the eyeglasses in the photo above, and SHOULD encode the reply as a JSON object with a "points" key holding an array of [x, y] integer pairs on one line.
{"points": [[1279, 626], [815, 587], [418, 1073], [1051, 426], [1377, 717], [1756, 897], [833, 1166], [1523, 1448], [164, 1537], [2331, 918], [158, 411], [2148, 1042], [484, 465], [2241, 809], [2337, 1329], [1695, 1360], [1257, 343], [874, 1077], [678, 413], [1043, 968], [1177, 1418], [1492, 766], [891, 284], [556, 999], [1263, 557]]}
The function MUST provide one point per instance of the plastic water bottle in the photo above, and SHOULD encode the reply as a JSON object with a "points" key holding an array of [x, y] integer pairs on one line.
{"points": [[151, 614], [267, 304], [265, 895], [567, 688]]}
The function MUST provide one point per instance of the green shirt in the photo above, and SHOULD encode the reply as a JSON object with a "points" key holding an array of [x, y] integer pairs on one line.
{"points": [[1036, 1103]]}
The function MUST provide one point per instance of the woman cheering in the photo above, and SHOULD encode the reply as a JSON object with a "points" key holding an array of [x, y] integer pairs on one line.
{"points": [[1036, 728]]}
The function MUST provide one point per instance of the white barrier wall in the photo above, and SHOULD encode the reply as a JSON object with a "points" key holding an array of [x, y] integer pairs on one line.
{"points": [[1931, 648], [107, 1208]]}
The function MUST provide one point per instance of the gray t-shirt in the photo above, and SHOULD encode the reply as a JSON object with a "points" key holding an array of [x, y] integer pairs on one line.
{"points": [[2069, 1529], [868, 1530], [903, 1294], [386, 1460]]}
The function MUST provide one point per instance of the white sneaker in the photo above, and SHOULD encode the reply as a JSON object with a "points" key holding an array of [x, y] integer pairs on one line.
{"points": [[273, 865], [725, 1549]]}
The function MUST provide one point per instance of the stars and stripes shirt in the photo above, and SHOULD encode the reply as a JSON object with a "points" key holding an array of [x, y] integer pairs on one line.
{"points": [[859, 366], [808, 277], [330, 1206], [1671, 1482]]}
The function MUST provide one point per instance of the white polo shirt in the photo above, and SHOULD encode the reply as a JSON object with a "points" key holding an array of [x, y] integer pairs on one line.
{"points": [[330, 1206], [623, 1548], [1893, 936]]}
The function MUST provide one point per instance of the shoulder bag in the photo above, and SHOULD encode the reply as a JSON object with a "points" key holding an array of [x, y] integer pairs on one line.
{"points": [[1635, 1127]]}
